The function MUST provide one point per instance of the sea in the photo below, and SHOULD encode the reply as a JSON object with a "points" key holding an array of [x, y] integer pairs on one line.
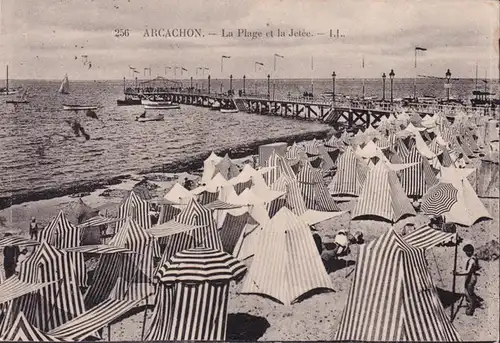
{"points": [[39, 151]]}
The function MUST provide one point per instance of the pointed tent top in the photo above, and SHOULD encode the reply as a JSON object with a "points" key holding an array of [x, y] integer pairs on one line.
{"points": [[23, 330], [214, 157], [178, 194]]}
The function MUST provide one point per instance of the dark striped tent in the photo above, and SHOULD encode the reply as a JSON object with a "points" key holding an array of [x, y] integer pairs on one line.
{"points": [[205, 233], [57, 302], [382, 196], [350, 175], [125, 276], [137, 209], [280, 167], [426, 237], [314, 191], [293, 196], [286, 263], [393, 298], [22, 330], [62, 234], [193, 294], [419, 177]]}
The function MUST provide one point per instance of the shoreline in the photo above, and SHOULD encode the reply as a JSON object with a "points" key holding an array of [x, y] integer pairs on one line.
{"points": [[187, 164]]}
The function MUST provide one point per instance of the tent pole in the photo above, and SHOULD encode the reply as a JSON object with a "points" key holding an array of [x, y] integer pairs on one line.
{"points": [[454, 276], [144, 319]]}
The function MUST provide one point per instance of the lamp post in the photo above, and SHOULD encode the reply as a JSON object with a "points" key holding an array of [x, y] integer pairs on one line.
{"points": [[230, 84], [209, 84], [383, 86], [448, 77], [268, 86], [333, 87], [244, 78], [391, 76]]}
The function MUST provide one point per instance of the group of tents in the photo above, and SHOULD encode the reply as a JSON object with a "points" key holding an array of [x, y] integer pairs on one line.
{"points": [[183, 265]]}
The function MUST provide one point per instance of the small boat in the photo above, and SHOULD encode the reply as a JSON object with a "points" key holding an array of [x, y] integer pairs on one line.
{"points": [[78, 107], [6, 90], [162, 107], [215, 106], [155, 103], [143, 117], [128, 102], [64, 88], [20, 100], [229, 110]]}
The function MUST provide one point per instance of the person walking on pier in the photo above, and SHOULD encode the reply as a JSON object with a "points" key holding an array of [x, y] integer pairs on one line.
{"points": [[471, 274], [33, 229]]}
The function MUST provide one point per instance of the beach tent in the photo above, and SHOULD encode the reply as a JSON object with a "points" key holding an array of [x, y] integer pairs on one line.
{"points": [[56, 303], [22, 330], [209, 169], [125, 274], [488, 177], [62, 234], [203, 231], [419, 177], [293, 198], [468, 209], [350, 175], [209, 192], [392, 297], [294, 153], [227, 168], [382, 196], [286, 263], [137, 209], [280, 166], [179, 195], [314, 191], [244, 179], [192, 296]]}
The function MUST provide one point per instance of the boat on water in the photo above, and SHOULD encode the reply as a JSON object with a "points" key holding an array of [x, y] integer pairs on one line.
{"points": [[215, 106], [6, 90], [148, 117], [229, 110], [162, 107], [20, 100], [78, 107], [128, 102], [155, 103], [64, 88]]}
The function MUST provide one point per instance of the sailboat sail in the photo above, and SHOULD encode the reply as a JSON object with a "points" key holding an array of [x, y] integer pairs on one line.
{"points": [[64, 89]]}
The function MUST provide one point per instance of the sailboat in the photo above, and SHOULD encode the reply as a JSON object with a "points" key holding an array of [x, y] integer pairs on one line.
{"points": [[64, 89], [6, 91], [20, 100]]}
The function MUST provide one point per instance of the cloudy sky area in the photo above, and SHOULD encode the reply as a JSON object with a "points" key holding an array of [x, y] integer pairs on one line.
{"points": [[40, 39]]}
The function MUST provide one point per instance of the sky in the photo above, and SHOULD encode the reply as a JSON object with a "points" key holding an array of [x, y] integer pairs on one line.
{"points": [[46, 39]]}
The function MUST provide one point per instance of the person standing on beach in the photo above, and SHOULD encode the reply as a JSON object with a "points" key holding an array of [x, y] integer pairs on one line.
{"points": [[33, 229], [10, 255], [471, 274]]}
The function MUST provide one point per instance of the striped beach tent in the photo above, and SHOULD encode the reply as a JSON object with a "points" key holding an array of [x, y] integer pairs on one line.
{"points": [[382, 196], [58, 302], [62, 234], [280, 166], [286, 263], [17, 240], [205, 231], [192, 296], [124, 275], [293, 196], [22, 330], [137, 209], [419, 177], [393, 298], [167, 213], [14, 288], [350, 175], [314, 191]]}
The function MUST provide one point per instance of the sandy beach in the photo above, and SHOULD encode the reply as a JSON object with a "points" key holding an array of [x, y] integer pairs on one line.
{"points": [[252, 317]]}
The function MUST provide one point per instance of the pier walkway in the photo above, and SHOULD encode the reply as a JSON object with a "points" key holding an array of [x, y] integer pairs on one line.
{"points": [[342, 113]]}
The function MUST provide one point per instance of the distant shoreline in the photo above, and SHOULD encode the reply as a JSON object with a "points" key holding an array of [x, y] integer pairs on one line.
{"points": [[187, 164]]}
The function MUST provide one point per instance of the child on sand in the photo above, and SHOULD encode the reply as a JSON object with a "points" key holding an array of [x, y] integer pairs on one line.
{"points": [[471, 273]]}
